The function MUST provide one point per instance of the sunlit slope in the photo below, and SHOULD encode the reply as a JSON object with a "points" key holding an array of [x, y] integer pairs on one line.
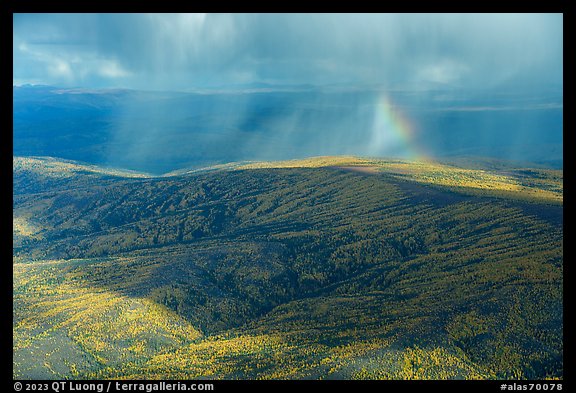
{"points": [[57, 168], [343, 270], [508, 181], [71, 328]]}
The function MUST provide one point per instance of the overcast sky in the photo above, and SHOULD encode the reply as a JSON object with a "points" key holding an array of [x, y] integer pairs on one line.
{"points": [[186, 51]]}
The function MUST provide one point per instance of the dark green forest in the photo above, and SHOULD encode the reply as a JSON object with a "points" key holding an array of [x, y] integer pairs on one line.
{"points": [[394, 271]]}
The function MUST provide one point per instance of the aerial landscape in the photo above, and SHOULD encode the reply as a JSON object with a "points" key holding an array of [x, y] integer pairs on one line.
{"points": [[288, 196]]}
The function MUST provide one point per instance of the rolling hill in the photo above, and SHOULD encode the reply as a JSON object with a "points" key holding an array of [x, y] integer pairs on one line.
{"points": [[323, 268]]}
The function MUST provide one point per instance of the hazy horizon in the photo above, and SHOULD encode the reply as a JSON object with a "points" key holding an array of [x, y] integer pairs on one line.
{"points": [[197, 89]]}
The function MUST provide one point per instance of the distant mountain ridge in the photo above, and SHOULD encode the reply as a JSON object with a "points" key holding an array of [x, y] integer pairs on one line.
{"points": [[159, 132]]}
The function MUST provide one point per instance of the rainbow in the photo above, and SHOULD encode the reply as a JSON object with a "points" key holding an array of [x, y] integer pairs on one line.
{"points": [[393, 134]]}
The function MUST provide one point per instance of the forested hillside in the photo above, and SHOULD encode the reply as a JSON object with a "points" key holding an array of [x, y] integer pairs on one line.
{"points": [[322, 268]]}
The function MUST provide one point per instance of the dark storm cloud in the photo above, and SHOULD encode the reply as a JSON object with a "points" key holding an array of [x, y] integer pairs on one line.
{"points": [[183, 51]]}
